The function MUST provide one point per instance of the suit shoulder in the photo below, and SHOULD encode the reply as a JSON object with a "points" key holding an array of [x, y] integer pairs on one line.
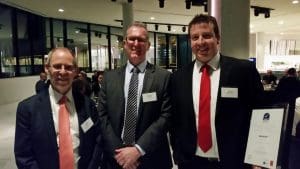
{"points": [[236, 62], [232, 59], [184, 69], [161, 70], [30, 99]]}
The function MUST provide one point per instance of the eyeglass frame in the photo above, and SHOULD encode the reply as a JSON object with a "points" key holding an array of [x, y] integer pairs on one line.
{"points": [[59, 67]]}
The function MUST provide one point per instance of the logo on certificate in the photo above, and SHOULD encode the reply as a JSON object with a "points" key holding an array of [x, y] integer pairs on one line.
{"points": [[266, 117]]}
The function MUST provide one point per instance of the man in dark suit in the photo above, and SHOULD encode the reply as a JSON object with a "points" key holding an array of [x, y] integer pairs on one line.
{"points": [[42, 83], [150, 148], [234, 87], [37, 135]]}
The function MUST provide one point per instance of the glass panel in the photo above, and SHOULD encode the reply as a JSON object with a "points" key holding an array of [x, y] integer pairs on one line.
{"points": [[7, 60], [117, 47], [48, 37], [37, 36], [78, 42], [161, 52], [23, 44], [100, 59], [150, 53], [173, 52], [58, 33]]}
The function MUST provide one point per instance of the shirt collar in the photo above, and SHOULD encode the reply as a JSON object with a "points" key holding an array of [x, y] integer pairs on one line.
{"points": [[213, 63], [57, 96], [141, 66]]}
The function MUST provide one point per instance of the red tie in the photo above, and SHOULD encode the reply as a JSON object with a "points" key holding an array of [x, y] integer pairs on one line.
{"points": [[66, 157], [204, 129]]}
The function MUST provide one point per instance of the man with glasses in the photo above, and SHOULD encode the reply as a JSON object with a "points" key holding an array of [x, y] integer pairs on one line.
{"points": [[57, 128], [134, 107]]}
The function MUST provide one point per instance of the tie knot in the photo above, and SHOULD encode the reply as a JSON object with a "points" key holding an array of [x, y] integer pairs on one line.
{"points": [[205, 67], [135, 70], [63, 99]]}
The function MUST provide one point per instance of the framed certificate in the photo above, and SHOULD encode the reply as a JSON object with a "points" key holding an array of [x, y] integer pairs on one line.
{"points": [[265, 136]]}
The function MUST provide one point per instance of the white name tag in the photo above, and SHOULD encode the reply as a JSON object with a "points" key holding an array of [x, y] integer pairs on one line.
{"points": [[149, 97], [86, 125], [229, 92]]}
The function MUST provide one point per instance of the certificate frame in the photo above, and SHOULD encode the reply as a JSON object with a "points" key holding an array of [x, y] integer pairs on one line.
{"points": [[262, 132]]}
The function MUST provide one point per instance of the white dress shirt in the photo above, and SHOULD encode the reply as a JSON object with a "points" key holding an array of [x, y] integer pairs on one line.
{"points": [[214, 79], [54, 99], [141, 75]]}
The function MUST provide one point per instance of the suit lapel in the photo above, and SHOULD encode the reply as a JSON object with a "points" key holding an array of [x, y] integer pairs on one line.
{"points": [[118, 82], [148, 79], [47, 118], [225, 71], [225, 67], [188, 81], [147, 84], [79, 102]]}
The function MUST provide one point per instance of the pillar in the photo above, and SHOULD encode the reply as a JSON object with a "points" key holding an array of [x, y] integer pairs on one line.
{"points": [[127, 11], [233, 18]]}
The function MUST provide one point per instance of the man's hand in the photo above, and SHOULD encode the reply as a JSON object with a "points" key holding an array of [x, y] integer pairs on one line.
{"points": [[256, 167], [128, 157]]}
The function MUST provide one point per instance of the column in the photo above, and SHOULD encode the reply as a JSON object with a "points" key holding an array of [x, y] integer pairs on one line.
{"points": [[127, 12], [233, 18]]}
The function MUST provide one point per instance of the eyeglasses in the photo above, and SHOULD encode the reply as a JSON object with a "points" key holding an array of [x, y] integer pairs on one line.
{"points": [[138, 39], [59, 67]]}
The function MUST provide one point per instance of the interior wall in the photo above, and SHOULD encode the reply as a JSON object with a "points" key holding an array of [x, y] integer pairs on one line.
{"points": [[16, 89], [262, 45]]}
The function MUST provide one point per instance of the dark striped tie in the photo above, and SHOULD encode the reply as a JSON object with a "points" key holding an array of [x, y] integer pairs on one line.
{"points": [[131, 110]]}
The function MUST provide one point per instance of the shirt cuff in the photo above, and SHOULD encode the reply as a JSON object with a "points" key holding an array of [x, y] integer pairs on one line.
{"points": [[140, 149]]}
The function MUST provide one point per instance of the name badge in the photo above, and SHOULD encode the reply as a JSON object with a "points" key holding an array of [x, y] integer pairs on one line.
{"points": [[149, 97], [87, 124], [229, 92]]}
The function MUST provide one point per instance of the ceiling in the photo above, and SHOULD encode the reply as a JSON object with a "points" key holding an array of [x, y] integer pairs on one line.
{"points": [[105, 12]]}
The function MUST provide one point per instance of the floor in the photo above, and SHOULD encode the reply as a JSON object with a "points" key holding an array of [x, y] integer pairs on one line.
{"points": [[7, 131]]}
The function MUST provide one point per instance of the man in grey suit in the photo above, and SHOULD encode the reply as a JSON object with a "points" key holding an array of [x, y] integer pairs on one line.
{"points": [[150, 148]]}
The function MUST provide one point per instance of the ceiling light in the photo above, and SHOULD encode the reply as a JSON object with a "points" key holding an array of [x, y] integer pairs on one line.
{"points": [[61, 10], [262, 10], [156, 27], [188, 4], [295, 2], [280, 22], [169, 27], [161, 3], [152, 18]]}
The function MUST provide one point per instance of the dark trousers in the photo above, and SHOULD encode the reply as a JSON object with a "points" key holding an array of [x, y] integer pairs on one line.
{"points": [[197, 162]]}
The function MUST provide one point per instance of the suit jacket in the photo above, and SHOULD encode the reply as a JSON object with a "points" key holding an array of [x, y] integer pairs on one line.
{"points": [[152, 122], [288, 89], [232, 117], [41, 85], [35, 138]]}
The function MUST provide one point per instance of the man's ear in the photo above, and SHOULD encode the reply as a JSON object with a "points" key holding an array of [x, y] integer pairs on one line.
{"points": [[46, 68], [149, 44]]}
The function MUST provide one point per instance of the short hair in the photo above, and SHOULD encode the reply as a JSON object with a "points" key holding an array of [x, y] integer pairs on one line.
{"points": [[139, 24], [291, 71], [50, 55], [202, 18]]}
